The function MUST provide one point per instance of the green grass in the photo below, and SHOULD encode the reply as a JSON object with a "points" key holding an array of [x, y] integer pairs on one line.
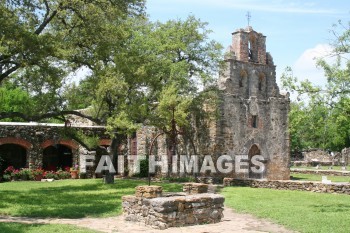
{"points": [[336, 168], [68, 198], [315, 177], [297, 210], [41, 228]]}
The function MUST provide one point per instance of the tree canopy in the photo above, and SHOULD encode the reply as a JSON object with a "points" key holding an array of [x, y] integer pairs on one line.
{"points": [[42, 41], [138, 70], [322, 119]]}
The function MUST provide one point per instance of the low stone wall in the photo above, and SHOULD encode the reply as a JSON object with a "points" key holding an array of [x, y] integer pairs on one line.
{"points": [[195, 188], [318, 187], [173, 210], [317, 154], [321, 172], [209, 179]]}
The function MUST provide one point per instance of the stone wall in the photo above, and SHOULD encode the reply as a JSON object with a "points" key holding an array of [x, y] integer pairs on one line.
{"points": [[345, 156], [311, 186], [317, 155], [321, 172], [35, 137], [172, 210]]}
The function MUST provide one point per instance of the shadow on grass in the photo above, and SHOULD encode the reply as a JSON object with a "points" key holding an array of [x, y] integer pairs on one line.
{"points": [[297, 178], [12, 227], [70, 201], [334, 208]]}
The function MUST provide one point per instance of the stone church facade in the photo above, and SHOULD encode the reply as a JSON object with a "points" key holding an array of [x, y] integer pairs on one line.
{"points": [[254, 115]]}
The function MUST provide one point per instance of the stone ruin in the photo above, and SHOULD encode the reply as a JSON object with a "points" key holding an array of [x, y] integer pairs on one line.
{"points": [[316, 157], [161, 210], [319, 157]]}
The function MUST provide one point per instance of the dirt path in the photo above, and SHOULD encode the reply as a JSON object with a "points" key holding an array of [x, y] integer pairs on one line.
{"points": [[232, 222]]}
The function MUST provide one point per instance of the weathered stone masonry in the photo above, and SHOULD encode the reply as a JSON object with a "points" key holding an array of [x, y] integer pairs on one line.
{"points": [[254, 115], [151, 207], [311, 186], [35, 137]]}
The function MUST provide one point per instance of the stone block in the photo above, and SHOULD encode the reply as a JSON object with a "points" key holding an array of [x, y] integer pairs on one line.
{"points": [[174, 211], [148, 191], [195, 188]]}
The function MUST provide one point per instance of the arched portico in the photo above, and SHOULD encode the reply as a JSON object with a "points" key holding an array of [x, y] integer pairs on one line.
{"points": [[59, 154], [14, 152]]}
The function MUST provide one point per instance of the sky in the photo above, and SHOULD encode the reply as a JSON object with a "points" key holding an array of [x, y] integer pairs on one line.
{"points": [[296, 31]]}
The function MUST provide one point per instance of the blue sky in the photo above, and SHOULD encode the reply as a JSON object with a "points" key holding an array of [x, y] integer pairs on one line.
{"points": [[296, 31]]}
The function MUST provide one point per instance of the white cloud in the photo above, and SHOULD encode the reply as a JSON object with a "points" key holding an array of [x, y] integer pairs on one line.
{"points": [[305, 66]]}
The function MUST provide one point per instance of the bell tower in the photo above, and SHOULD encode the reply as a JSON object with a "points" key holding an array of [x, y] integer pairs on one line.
{"points": [[254, 114], [249, 46]]}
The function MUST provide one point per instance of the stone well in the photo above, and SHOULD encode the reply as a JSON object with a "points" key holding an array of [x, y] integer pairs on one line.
{"points": [[150, 206]]}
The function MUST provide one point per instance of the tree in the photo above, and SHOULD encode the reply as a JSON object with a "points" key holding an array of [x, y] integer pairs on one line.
{"points": [[42, 41], [139, 70], [162, 67], [160, 70], [322, 121]]}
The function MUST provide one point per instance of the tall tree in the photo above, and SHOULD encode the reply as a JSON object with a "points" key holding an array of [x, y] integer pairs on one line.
{"points": [[162, 63], [322, 121], [41, 41]]}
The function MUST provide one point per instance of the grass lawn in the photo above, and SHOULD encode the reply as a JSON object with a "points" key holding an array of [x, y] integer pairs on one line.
{"points": [[315, 177], [41, 228], [68, 198], [337, 168], [300, 211]]}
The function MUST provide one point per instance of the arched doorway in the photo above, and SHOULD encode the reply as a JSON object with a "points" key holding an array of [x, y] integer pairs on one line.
{"points": [[254, 150], [13, 155], [57, 157]]}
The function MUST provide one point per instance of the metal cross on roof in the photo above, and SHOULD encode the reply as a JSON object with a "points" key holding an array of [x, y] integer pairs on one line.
{"points": [[248, 17]]}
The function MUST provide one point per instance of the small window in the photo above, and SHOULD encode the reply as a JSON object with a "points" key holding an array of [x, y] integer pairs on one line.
{"points": [[243, 75], [261, 80], [255, 121], [250, 52], [260, 84]]}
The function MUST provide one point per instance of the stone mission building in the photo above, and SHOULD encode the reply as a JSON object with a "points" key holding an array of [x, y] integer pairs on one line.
{"points": [[253, 113], [252, 120]]}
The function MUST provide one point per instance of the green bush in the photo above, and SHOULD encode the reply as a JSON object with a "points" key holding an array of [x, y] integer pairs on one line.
{"points": [[6, 177], [63, 174], [143, 168], [51, 175], [26, 174]]}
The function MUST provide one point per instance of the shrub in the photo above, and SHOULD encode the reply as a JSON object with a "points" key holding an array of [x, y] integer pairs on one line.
{"points": [[63, 174], [16, 174], [143, 168], [9, 170], [26, 174], [51, 175], [38, 174]]}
